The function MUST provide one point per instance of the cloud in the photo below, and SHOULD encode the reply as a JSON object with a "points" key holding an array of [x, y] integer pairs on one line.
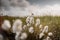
{"points": [[14, 7], [23, 8], [51, 10], [44, 2], [18, 3]]}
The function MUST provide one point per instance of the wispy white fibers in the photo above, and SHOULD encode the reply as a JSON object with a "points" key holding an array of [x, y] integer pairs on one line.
{"points": [[23, 36], [27, 21], [41, 27], [48, 38], [30, 20], [31, 29], [41, 35], [37, 22], [45, 30], [17, 26], [28, 24], [24, 27], [50, 34], [6, 25], [1, 37], [17, 35]]}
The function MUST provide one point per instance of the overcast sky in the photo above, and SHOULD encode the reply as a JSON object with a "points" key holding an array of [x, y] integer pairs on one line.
{"points": [[26, 7], [44, 2]]}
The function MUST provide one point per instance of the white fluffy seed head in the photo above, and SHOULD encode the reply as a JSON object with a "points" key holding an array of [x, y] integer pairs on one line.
{"points": [[27, 19], [24, 27], [18, 21], [1, 37], [6, 25], [41, 35], [45, 30], [30, 20], [37, 22], [17, 25], [48, 38], [40, 26], [17, 35], [19, 29], [28, 24], [31, 29], [23, 36], [50, 34]]}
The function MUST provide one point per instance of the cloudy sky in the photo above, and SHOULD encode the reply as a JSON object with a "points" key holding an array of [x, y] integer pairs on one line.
{"points": [[44, 2], [26, 7]]}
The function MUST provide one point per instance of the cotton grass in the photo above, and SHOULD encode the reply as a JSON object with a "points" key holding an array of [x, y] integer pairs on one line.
{"points": [[17, 36], [30, 20], [6, 25], [1, 37], [50, 34], [45, 30], [31, 29], [37, 22], [41, 35], [24, 27], [41, 27], [23, 36], [17, 26]]}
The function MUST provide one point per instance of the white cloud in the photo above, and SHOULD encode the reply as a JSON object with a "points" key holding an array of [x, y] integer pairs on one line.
{"points": [[24, 8], [53, 10]]}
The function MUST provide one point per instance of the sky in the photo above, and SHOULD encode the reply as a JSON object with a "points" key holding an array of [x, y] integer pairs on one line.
{"points": [[44, 2], [23, 8]]}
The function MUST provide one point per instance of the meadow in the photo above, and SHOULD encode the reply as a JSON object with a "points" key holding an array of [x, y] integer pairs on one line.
{"points": [[53, 23]]}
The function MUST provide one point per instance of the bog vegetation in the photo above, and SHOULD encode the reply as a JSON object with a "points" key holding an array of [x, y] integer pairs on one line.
{"points": [[40, 28]]}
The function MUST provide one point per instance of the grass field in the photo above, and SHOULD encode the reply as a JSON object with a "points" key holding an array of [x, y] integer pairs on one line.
{"points": [[52, 22]]}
